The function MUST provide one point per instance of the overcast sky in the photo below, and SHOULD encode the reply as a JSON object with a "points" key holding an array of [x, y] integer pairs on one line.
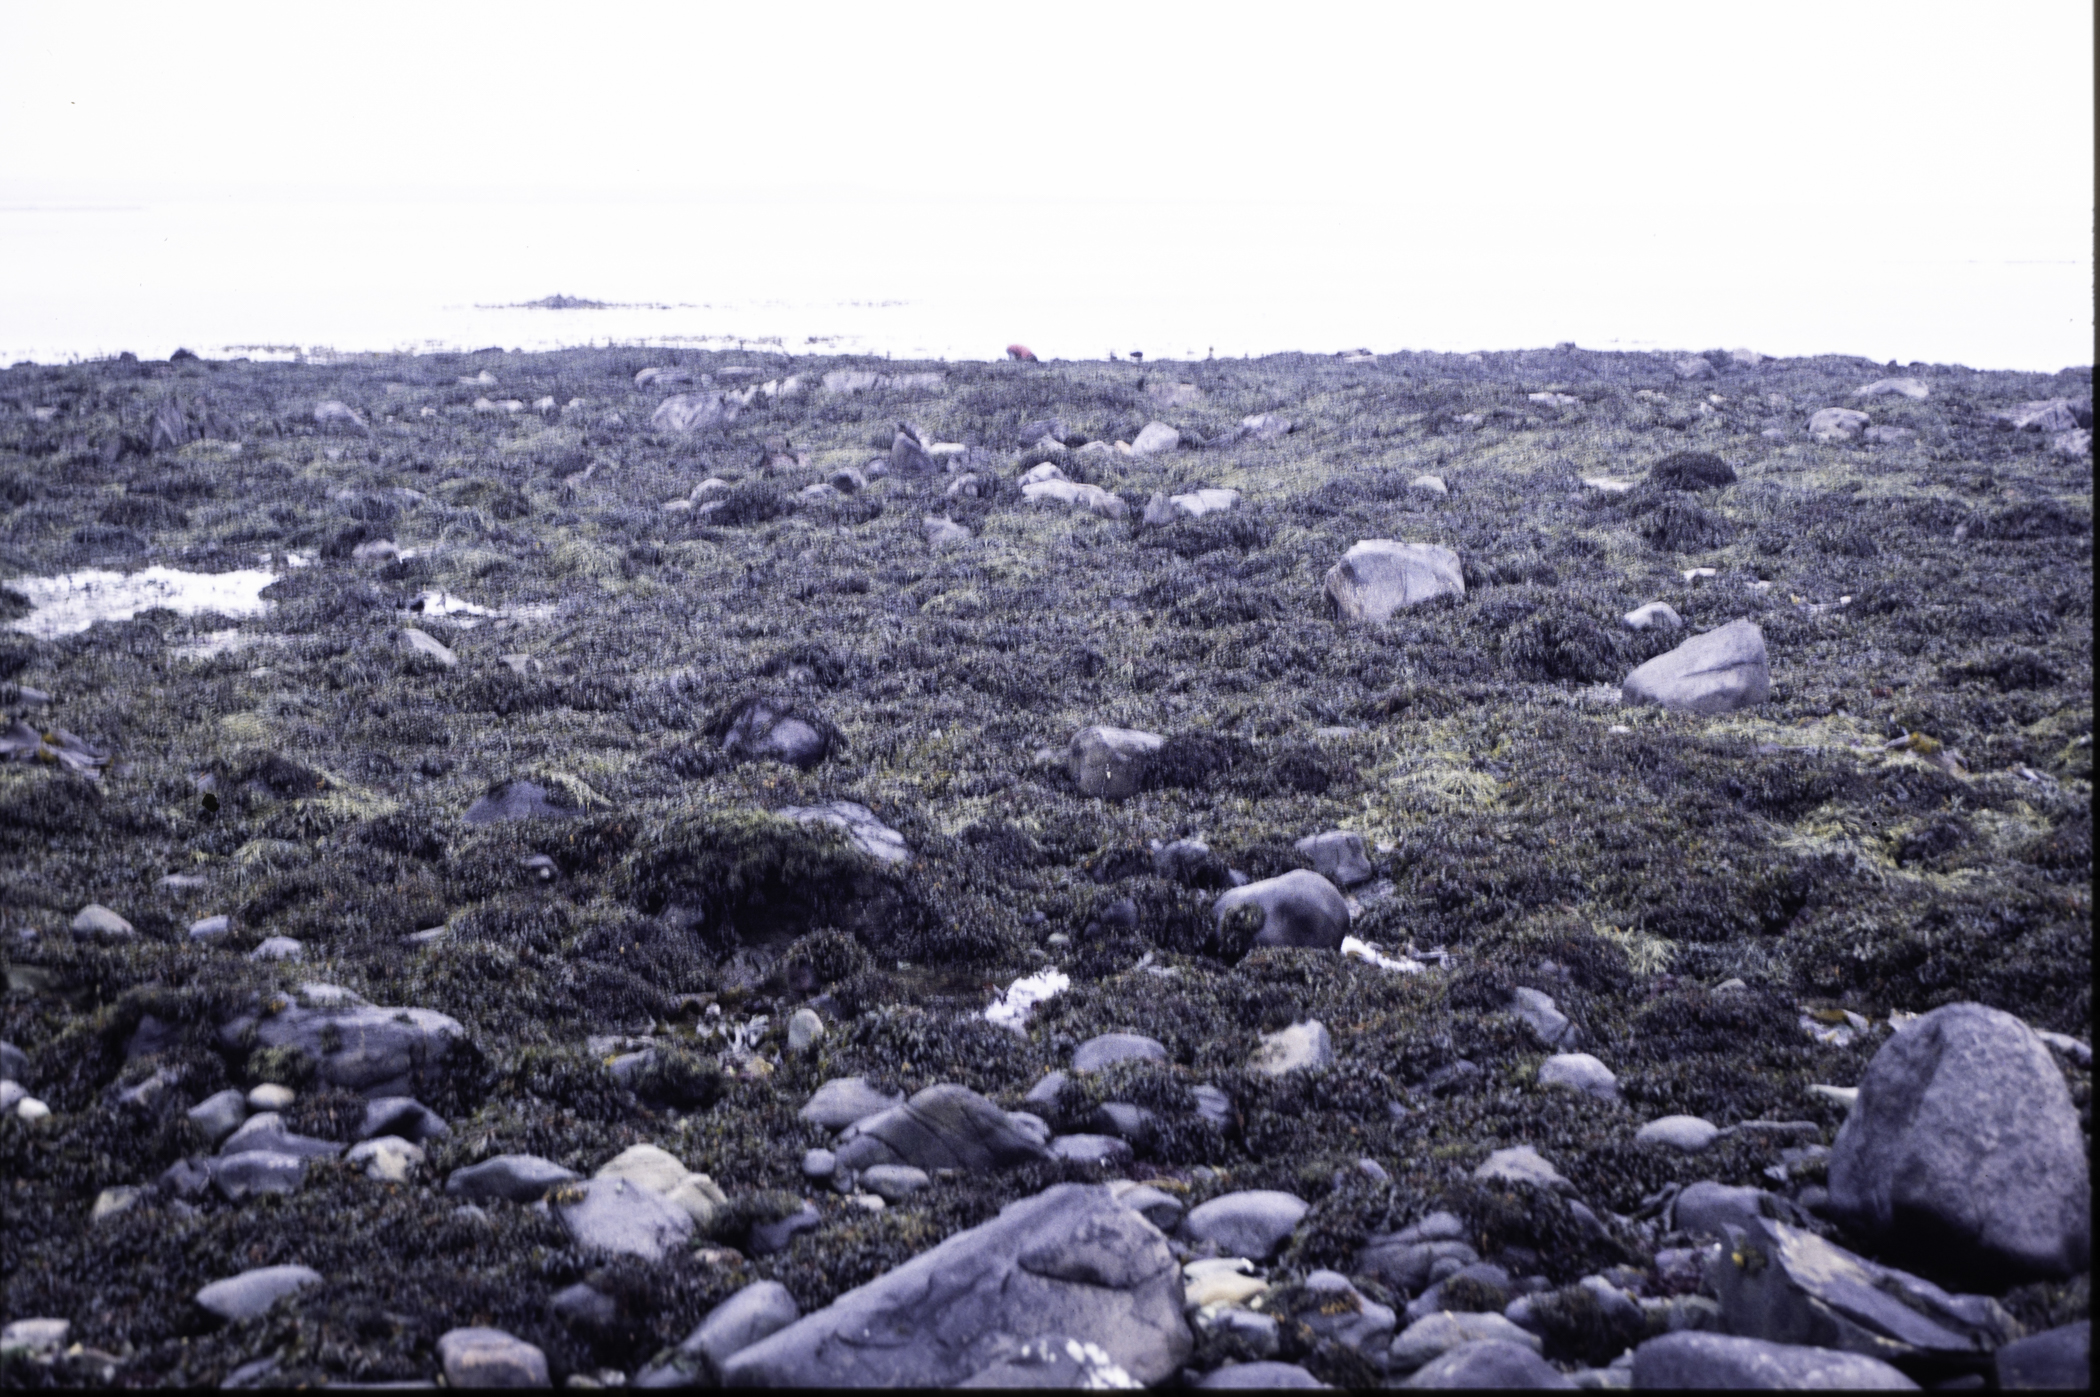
{"points": [[1730, 143]]}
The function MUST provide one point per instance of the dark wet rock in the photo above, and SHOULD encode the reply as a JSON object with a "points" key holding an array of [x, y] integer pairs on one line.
{"points": [[1338, 856], [220, 1114], [1435, 1335], [621, 1217], [1125, 1121], [361, 1047], [1964, 1147], [403, 1116], [1727, 1362], [1377, 577], [843, 1100], [2059, 1358], [1296, 1047], [252, 1293], [265, 1131], [514, 1178], [863, 831], [766, 1238], [1265, 1375], [516, 800], [758, 1311], [1791, 1286], [1069, 1261], [909, 456], [1253, 1223], [1111, 762], [1418, 1255], [1484, 1279], [582, 1306], [1102, 1049], [243, 1176], [1336, 1312], [1101, 1151], [481, 1357], [1488, 1363], [766, 731], [943, 1127], [1298, 908], [1718, 672], [1189, 862]]}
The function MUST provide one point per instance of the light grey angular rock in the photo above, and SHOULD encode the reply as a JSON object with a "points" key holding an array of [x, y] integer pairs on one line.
{"points": [[1337, 855], [1691, 1134], [1433, 1336], [1091, 498], [1491, 1363], [403, 1116], [2059, 1358], [220, 1114], [1536, 1008], [1046, 1091], [1069, 1261], [1102, 1151], [1726, 1362], [1964, 1148], [97, 920], [386, 1158], [1579, 1072], [252, 1293], [1263, 1375], [1903, 387], [278, 948], [210, 928], [894, 1183], [365, 1048], [805, 1028], [1745, 358], [1718, 672], [1837, 424], [1105, 1048], [480, 1357], [2046, 415], [514, 1178], [1154, 439], [1110, 762], [944, 533], [1521, 1164], [1252, 1223], [1212, 1105], [1788, 1285], [1298, 908], [38, 1340], [620, 1217], [1160, 1208], [943, 1127], [865, 832], [1267, 426], [691, 412], [332, 415], [419, 642], [1654, 615], [756, 1312], [265, 1131], [1299, 1046], [1709, 1209], [843, 1100], [241, 1177], [1429, 485], [1378, 576]]}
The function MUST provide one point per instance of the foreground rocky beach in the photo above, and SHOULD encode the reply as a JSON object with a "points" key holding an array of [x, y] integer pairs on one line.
{"points": [[626, 866]]}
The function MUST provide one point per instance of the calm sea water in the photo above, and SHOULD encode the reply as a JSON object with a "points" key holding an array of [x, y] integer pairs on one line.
{"points": [[918, 279]]}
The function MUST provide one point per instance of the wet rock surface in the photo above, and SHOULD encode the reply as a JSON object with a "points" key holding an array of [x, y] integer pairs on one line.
{"points": [[566, 914]]}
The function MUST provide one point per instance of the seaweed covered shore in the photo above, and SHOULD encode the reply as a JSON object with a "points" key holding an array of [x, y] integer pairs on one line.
{"points": [[553, 640]]}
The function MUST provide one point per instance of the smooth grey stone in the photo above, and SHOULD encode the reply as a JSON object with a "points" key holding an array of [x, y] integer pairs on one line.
{"points": [[581, 1307], [1430, 484], [1411, 1266], [943, 1127], [1125, 1122], [366, 1048], [242, 1176], [1155, 438], [1521, 1164], [185, 1178], [516, 800], [1656, 615], [1836, 423], [766, 731], [1964, 1148], [1689, 1134], [1693, 368], [1718, 672], [1110, 762], [1347, 1316], [1070, 1260], [805, 1027], [908, 457], [479, 1357], [14, 1063], [1031, 1126], [1267, 426], [403, 1116], [1253, 1223], [220, 1114], [1099, 1051], [265, 1131], [1709, 1209], [278, 948], [1298, 1047], [769, 1237], [1264, 1376], [97, 920], [1212, 1105], [2060, 1358], [759, 1310], [620, 1217], [1537, 1008], [944, 533], [1338, 856], [252, 1293], [843, 1100], [1104, 1150], [863, 831], [894, 1182], [514, 1178], [1046, 1092], [210, 928], [1789, 1285], [1579, 1072], [1377, 577], [1051, 1362], [1488, 1363], [1435, 1335], [1298, 908], [819, 1164], [38, 1340], [1693, 1360]]}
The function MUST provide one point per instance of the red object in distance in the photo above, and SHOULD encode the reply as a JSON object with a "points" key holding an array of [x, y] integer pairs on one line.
{"points": [[1021, 352]]}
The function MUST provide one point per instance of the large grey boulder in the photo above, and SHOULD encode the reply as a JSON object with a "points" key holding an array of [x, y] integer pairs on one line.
{"points": [[1298, 908], [1836, 424], [1905, 387], [1579, 1072], [1718, 672], [843, 1100], [1492, 1363], [690, 412], [1336, 855], [1700, 1361], [265, 1131], [1709, 1209], [1348, 1317], [514, 1178], [1377, 577], [620, 1217], [1788, 1285], [361, 1047], [1253, 1223], [481, 1357], [1300, 1046], [1110, 762], [1155, 438], [1964, 1150], [250, 1173], [943, 1127], [219, 1115], [759, 1310], [252, 1293], [2060, 1358], [863, 830], [1070, 1261], [1419, 1255], [1263, 1375]]}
